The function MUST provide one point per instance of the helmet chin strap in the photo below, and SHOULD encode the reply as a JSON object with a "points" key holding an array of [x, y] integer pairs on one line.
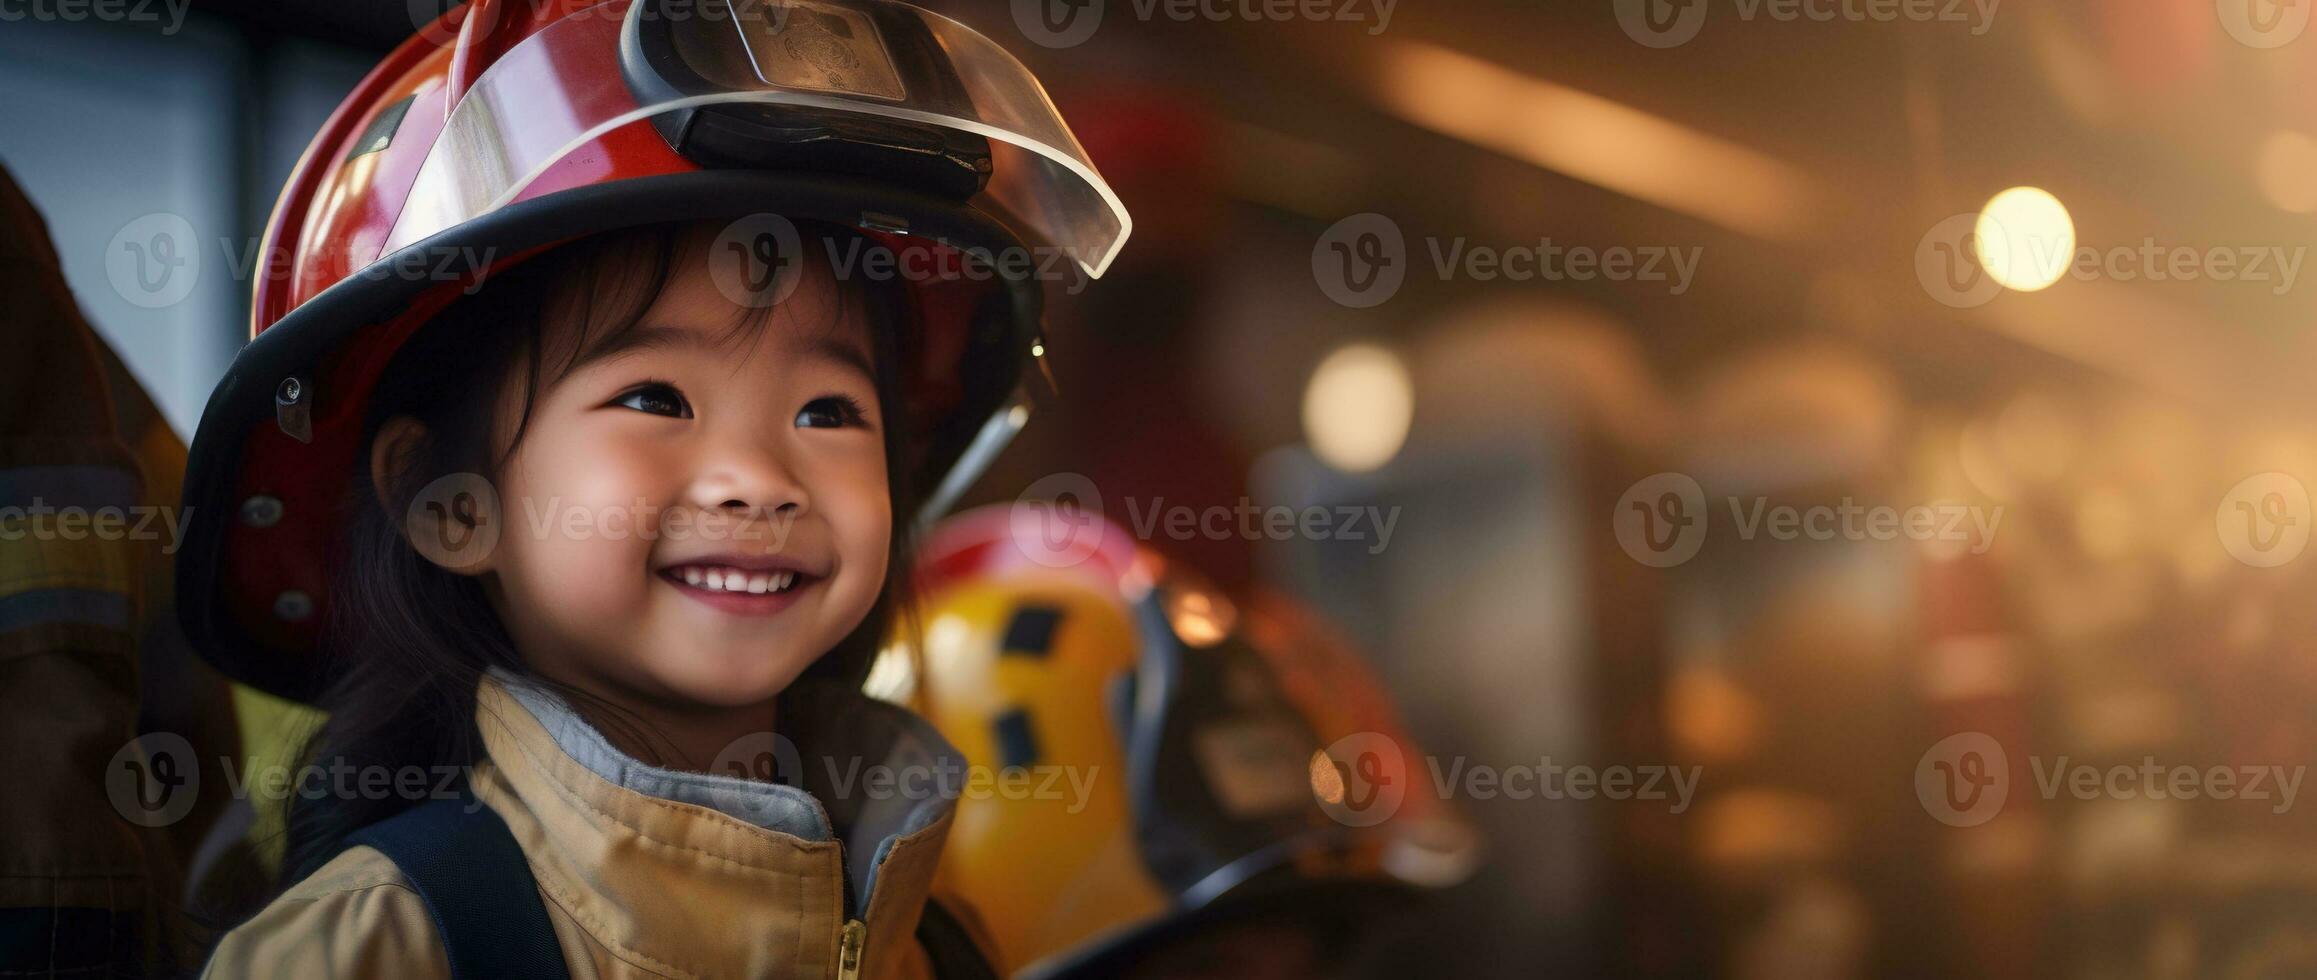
{"points": [[995, 435]]}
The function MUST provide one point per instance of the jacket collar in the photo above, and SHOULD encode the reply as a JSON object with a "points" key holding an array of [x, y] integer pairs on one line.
{"points": [[714, 875]]}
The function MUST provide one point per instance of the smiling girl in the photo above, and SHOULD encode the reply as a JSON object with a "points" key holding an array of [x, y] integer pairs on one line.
{"points": [[615, 535]]}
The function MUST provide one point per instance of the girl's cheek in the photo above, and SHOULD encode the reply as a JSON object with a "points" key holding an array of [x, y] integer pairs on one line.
{"points": [[863, 519], [588, 514], [588, 579]]}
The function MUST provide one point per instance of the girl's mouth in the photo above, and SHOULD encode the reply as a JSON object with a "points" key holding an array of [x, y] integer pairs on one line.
{"points": [[739, 590]]}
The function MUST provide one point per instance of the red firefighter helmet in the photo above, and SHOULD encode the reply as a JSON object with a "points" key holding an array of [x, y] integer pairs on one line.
{"points": [[508, 127]]}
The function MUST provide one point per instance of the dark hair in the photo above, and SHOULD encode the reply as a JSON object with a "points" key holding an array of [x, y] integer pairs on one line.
{"points": [[409, 640]]}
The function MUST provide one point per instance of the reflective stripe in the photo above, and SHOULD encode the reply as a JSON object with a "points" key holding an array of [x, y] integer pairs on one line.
{"points": [[93, 608], [86, 487]]}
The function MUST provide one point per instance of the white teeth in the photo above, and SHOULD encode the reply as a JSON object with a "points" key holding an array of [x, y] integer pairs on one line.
{"points": [[724, 579]]}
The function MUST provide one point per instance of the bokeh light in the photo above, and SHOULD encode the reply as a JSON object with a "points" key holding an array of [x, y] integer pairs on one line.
{"points": [[1357, 408], [2024, 238]]}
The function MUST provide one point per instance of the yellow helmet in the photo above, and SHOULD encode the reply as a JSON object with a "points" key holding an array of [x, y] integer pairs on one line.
{"points": [[1148, 759]]}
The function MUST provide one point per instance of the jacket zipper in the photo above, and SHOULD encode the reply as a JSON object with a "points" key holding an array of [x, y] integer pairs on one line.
{"points": [[855, 936], [849, 944]]}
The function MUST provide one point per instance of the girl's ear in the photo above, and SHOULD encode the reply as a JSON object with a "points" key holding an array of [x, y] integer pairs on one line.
{"points": [[453, 522]]}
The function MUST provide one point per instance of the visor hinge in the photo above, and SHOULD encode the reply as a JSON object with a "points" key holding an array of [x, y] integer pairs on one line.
{"points": [[293, 409]]}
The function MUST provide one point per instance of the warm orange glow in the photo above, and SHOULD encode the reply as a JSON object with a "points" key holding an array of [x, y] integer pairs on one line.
{"points": [[1593, 139]]}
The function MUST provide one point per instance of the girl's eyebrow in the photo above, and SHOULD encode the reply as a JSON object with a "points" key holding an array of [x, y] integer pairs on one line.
{"points": [[848, 354]]}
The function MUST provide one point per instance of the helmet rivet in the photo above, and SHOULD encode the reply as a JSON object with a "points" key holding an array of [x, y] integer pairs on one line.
{"points": [[261, 511], [293, 606], [292, 411]]}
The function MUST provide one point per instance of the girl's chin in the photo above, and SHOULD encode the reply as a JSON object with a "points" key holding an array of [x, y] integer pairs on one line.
{"points": [[738, 680]]}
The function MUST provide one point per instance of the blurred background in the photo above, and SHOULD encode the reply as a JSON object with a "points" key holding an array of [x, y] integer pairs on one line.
{"points": [[1884, 411]]}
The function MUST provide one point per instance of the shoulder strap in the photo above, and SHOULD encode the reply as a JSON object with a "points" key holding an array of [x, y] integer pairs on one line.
{"points": [[950, 945], [471, 873]]}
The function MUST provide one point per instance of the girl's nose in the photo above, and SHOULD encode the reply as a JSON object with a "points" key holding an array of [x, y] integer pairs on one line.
{"points": [[745, 476]]}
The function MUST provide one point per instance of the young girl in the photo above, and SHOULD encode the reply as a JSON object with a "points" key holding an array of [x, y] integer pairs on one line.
{"points": [[607, 521]]}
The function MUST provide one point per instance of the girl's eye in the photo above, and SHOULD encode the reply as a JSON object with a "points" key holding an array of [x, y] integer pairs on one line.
{"points": [[833, 411], [656, 398]]}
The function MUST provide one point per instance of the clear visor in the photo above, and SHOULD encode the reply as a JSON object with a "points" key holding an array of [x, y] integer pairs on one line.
{"points": [[563, 88]]}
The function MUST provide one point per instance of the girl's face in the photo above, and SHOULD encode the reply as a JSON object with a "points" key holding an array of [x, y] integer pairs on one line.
{"points": [[695, 513]]}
